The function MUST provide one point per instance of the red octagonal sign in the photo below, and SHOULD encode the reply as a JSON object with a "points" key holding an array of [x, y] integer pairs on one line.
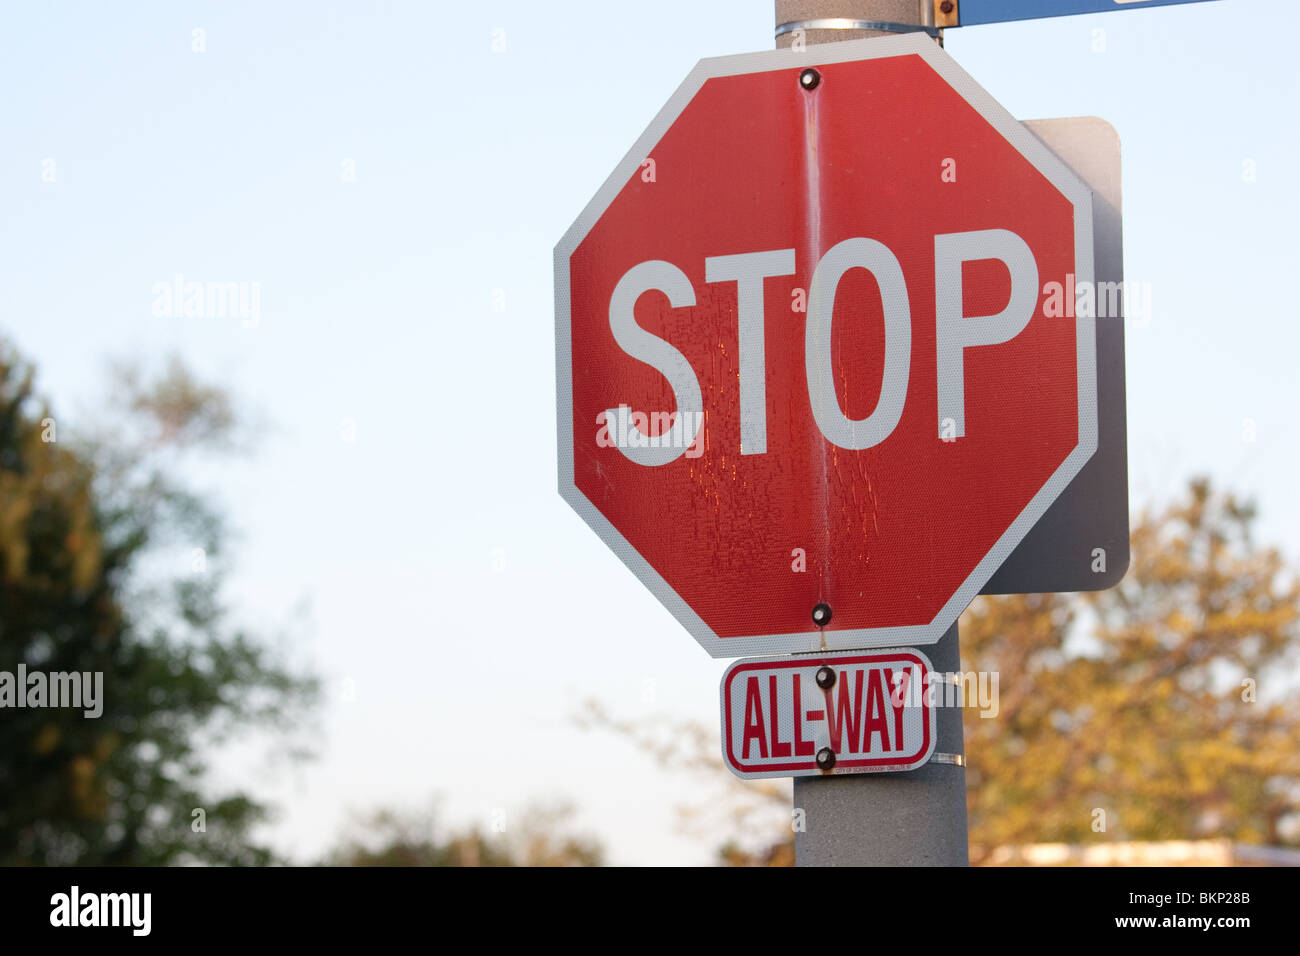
{"points": [[819, 342]]}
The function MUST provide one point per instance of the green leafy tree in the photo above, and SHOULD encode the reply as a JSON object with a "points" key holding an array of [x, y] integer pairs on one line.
{"points": [[754, 815], [393, 838], [109, 565]]}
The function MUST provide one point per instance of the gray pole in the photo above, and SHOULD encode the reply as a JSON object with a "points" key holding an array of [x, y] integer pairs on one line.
{"points": [[918, 12], [911, 818], [918, 817]]}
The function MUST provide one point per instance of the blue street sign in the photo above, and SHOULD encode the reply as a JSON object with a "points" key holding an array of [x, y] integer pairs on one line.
{"points": [[972, 12]]}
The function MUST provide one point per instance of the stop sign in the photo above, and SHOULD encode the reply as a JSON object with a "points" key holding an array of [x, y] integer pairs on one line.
{"points": [[822, 353]]}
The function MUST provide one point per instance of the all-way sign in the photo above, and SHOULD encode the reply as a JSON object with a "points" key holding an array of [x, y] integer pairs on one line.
{"points": [[823, 714]]}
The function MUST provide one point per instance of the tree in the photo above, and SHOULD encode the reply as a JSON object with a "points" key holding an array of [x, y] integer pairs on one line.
{"points": [[1157, 710], [1160, 709], [754, 813], [109, 566], [394, 838]]}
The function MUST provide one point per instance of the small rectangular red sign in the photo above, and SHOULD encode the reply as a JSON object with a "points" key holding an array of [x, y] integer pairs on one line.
{"points": [[824, 714]]}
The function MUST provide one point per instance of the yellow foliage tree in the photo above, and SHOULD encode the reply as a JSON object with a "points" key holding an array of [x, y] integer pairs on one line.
{"points": [[1160, 709]]}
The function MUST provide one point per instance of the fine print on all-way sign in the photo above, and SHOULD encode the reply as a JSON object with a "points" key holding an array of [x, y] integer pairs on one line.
{"points": [[819, 373]]}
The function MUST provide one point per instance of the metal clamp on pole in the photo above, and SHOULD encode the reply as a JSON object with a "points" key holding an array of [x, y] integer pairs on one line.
{"points": [[845, 23]]}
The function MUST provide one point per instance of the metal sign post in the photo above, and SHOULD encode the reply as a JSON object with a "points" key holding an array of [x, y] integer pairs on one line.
{"points": [[916, 818], [919, 817]]}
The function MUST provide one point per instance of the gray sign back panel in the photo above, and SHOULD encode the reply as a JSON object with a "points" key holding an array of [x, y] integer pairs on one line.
{"points": [[1092, 511]]}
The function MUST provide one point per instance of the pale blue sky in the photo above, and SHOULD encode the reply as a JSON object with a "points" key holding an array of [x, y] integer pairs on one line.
{"points": [[377, 306]]}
